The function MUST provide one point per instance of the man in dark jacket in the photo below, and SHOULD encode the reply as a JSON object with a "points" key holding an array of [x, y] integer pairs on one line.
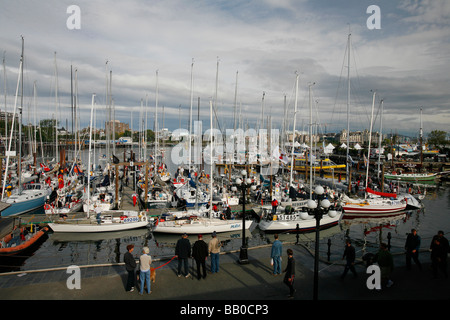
{"points": [[412, 246], [290, 273], [439, 248], [130, 266], [183, 253], [200, 254], [350, 256]]}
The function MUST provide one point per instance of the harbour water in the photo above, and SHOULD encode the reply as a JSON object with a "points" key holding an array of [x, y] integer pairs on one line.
{"points": [[63, 250]]}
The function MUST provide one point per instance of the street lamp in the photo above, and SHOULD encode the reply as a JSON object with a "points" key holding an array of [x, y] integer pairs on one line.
{"points": [[243, 184], [318, 209]]}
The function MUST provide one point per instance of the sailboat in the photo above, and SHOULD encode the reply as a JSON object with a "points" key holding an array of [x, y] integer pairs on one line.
{"points": [[292, 216], [104, 221], [32, 196], [382, 204], [415, 177], [200, 224]]}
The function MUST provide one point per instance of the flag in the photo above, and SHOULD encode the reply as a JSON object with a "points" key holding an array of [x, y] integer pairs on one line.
{"points": [[44, 167], [115, 160]]}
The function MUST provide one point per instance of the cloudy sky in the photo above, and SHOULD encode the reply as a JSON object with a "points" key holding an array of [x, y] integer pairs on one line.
{"points": [[259, 44]]}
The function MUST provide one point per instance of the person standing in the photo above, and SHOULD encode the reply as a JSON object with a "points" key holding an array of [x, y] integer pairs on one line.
{"points": [[274, 206], [290, 273], [275, 255], [200, 254], [350, 256], [214, 250], [130, 266], [439, 248], [412, 246], [144, 270], [386, 264], [183, 253]]}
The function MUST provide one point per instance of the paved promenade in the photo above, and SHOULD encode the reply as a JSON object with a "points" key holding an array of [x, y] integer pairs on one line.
{"points": [[249, 283]]}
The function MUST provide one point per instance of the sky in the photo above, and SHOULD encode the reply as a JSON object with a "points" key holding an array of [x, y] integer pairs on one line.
{"points": [[246, 53]]}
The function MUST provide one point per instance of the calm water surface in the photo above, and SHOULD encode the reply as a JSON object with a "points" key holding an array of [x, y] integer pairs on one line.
{"points": [[62, 250]]}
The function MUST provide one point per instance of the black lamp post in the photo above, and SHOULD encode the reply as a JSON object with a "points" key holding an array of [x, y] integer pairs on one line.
{"points": [[318, 210], [243, 184]]}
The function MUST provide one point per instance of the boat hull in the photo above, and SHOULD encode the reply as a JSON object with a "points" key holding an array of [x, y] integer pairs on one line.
{"points": [[110, 224], [200, 227], [34, 240], [411, 177], [361, 211], [288, 223], [22, 207]]}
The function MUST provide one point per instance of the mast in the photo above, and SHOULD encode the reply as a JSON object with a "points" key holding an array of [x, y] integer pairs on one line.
{"points": [[113, 115], [108, 113], [421, 138], [370, 141], [293, 135], [190, 115], [19, 159], [75, 97], [310, 141], [348, 112], [262, 111], [56, 112], [12, 125], [34, 135], [210, 160], [380, 138], [89, 158], [4, 88], [156, 123], [235, 101], [71, 98]]}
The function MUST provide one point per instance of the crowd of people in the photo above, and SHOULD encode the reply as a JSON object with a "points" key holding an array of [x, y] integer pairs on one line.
{"points": [[201, 250]]}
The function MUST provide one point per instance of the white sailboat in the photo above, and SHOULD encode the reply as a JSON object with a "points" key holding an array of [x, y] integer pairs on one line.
{"points": [[201, 224], [371, 205], [106, 221], [292, 216], [32, 196]]}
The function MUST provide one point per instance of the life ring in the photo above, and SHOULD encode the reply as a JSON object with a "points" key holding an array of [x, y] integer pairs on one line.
{"points": [[46, 206]]}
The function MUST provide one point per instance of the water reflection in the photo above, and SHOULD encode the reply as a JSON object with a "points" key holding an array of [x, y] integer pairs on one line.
{"points": [[62, 250]]}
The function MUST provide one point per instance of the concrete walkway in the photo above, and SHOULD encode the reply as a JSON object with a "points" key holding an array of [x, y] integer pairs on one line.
{"points": [[250, 282]]}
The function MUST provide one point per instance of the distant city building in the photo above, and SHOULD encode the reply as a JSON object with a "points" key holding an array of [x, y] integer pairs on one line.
{"points": [[360, 137], [116, 125]]}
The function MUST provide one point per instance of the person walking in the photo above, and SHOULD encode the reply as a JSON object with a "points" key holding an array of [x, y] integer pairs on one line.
{"points": [[200, 254], [130, 266], [439, 248], [214, 250], [290, 273], [412, 246], [145, 261], [183, 253], [386, 263], [350, 256], [275, 255]]}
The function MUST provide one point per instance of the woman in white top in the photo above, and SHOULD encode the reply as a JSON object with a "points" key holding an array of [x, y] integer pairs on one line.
{"points": [[144, 261]]}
